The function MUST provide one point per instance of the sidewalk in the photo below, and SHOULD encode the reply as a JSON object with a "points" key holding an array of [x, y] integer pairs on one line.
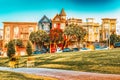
{"points": [[64, 74]]}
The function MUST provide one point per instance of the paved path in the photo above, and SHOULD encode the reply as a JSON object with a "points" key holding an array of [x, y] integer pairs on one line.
{"points": [[65, 74]]}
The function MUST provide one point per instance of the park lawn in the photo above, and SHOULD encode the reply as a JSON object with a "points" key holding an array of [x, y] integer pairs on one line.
{"points": [[7, 75], [104, 61]]}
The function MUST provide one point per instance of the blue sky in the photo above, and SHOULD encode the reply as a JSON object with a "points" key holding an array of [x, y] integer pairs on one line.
{"points": [[33, 10]]}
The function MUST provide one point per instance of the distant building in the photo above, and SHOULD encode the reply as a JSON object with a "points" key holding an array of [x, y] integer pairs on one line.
{"points": [[44, 24], [59, 21], [74, 21], [107, 28], [118, 29], [1, 38], [18, 30], [93, 30]]}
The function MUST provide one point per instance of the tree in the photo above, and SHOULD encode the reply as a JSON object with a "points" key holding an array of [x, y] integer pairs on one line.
{"points": [[18, 42], [10, 49], [114, 38], [29, 48], [56, 35], [80, 33], [32, 37], [76, 32], [6, 45], [39, 38]]}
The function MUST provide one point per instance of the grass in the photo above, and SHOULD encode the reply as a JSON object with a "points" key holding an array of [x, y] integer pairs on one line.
{"points": [[5, 75], [104, 61]]}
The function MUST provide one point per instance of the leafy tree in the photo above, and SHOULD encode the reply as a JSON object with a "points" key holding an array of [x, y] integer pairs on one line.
{"points": [[76, 32], [29, 49], [39, 37], [32, 37], [6, 45], [80, 33], [114, 38], [11, 49], [56, 35]]}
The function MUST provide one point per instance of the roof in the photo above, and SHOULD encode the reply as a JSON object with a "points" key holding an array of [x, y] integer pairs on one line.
{"points": [[62, 13], [45, 19], [57, 16], [19, 22], [108, 18]]}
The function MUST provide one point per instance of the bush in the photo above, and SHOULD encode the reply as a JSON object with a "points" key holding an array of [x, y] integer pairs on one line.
{"points": [[10, 49], [29, 48]]}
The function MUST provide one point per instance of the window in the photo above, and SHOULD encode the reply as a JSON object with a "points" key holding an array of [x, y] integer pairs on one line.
{"points": [[31, 29], [46, 27], [97, 30], [62, 25], [7, 29], [54, 25], [16, 30], [106, 26], [57, 19]]}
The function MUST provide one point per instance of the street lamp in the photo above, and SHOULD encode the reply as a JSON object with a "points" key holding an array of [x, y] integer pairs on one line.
{"points": [[109, 38]]}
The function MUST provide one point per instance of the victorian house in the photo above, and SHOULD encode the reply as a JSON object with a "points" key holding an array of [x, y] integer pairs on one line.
{"points": [[44, 24], [59, 21]]}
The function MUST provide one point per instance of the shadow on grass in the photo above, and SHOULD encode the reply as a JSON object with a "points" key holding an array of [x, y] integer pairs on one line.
{"points": [[15, 76]]}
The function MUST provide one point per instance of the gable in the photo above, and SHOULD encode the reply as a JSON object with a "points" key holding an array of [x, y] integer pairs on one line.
{"points": [[57, 18], [44, 19]]}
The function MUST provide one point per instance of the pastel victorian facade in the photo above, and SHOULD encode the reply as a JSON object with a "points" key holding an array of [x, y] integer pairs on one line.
{"points": [[44, 24], [59, 21]]}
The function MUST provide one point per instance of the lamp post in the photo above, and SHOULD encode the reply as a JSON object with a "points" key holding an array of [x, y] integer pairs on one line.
{"points": [[108, 36]]}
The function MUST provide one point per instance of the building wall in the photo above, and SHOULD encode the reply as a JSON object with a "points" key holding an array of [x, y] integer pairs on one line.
{"points": [[1, 38], [18, 30], [57, 22], [108, 27], [44, 24], [93, 30], [74, 21]]}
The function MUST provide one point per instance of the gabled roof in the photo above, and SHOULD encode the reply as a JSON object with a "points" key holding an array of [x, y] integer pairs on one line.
{"points": [[45, 19], [57, 16], [62, 13]]}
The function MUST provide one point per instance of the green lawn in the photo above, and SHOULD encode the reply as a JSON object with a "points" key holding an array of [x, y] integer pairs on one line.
{"points": [[105, 61], [6, 75]]}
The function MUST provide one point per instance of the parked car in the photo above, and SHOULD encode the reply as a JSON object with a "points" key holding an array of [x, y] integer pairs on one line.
{"points": [[75, 49], [40, 51], [85, 49], [67, 50], [37, 52], [117, 44]]}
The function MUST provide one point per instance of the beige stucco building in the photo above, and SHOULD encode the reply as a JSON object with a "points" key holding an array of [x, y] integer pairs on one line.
{"points": [[93, 30], [107, 28], [74, 21]]}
